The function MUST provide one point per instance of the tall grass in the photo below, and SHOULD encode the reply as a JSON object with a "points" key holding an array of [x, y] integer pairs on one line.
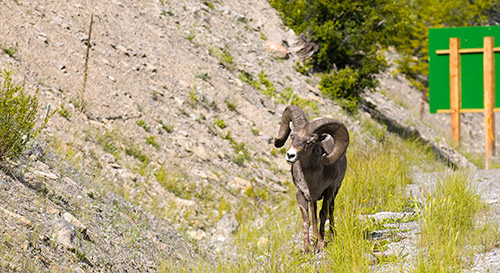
{"points": [[450, 231], [375, 181]]}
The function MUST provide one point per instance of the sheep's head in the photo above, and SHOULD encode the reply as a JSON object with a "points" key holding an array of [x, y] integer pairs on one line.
{"points": [[305, 135]]}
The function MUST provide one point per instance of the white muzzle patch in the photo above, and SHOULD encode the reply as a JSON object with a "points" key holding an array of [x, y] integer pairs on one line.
{"points": [[291, 155]]}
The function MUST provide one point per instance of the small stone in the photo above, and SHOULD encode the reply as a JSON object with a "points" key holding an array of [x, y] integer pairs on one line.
{"points": [[197, 234], [240, 184], [226, 225], [47, 175], [115, 166], [201, 153], [68, 217], [276, 49], [64, 234]]}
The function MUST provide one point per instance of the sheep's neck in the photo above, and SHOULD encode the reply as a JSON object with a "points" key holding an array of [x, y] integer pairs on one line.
{"points": [[311, 162]]}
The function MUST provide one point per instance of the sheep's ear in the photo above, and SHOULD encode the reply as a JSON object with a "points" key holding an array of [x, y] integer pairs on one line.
{"points": [[327, 143], [313, 138]]}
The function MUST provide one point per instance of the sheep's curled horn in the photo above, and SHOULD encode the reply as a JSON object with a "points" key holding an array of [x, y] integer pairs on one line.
{"points": [[319, 126]]}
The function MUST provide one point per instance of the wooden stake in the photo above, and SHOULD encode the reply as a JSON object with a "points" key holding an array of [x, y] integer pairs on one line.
{"points": [[86, 63], [489, 98], [455, 89]]}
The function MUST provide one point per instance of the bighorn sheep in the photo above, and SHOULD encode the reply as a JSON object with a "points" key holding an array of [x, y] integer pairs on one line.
{"points": [[317, 155]]}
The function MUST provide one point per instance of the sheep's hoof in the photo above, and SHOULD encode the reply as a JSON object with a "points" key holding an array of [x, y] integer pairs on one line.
{"points": [[307, 249], [321, 245]]}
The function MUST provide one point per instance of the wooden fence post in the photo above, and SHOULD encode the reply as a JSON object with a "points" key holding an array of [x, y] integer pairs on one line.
{"points": [[489, 98], [455, 89]]}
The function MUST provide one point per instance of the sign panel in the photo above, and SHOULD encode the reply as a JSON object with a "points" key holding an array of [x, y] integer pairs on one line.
{"points": [[471, 67]]}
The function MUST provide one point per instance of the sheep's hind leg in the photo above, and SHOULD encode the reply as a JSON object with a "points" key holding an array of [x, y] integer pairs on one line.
{"points": [[325, 211], [314, 214], [305, 219], [331, 214]]}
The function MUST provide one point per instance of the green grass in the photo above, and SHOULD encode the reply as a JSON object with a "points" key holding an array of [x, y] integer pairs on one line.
{"points": [[453, 219], [172, 182], [223, 56], [451, 233], [375, 181], [220, 123], [64, 112], [9, 50], [167, 127], [151, 140], [141, 123]]}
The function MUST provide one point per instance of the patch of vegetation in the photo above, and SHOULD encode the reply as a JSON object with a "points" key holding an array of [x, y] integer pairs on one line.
{"points": [[137, 154], [286, 96], [270, 89], [349, 36], [209, 4], [185, 113], [223, 56], [66, 150], [191, 36], [193, 95], [109, 141], [230, 105], [17, 118], [167, 127], [220, 123], [305, 67], [141, 123], [346, 85], [204, 76], [448, 221], [64, 112], [152, 141], [239, 149], [9, 50], [174, 183]]}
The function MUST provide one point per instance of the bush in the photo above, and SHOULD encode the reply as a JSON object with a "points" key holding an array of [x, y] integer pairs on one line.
{"points": [[349, 35], [343, 84], [17, 118]]}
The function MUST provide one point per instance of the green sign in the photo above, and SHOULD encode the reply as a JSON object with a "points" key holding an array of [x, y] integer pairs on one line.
{"points": [[471, 64]]}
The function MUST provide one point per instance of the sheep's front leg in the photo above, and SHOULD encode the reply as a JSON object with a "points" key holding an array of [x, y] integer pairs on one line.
{"points": [[305, 219]]}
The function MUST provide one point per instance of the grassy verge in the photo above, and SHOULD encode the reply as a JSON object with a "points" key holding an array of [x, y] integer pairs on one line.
{"points": [[375, 181], [452, 227]]}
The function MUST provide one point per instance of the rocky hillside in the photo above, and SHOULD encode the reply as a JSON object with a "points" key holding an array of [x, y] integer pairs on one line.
{"points": [[173, 146]]}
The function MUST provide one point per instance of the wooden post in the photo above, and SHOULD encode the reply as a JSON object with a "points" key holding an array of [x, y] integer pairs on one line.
{"points": [[455, 90], [86, 64], [489, 98]]}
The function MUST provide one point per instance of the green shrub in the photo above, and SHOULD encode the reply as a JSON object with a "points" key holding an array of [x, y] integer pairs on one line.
{"points": [[345, 85], [17, 118], [349, 35]]}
